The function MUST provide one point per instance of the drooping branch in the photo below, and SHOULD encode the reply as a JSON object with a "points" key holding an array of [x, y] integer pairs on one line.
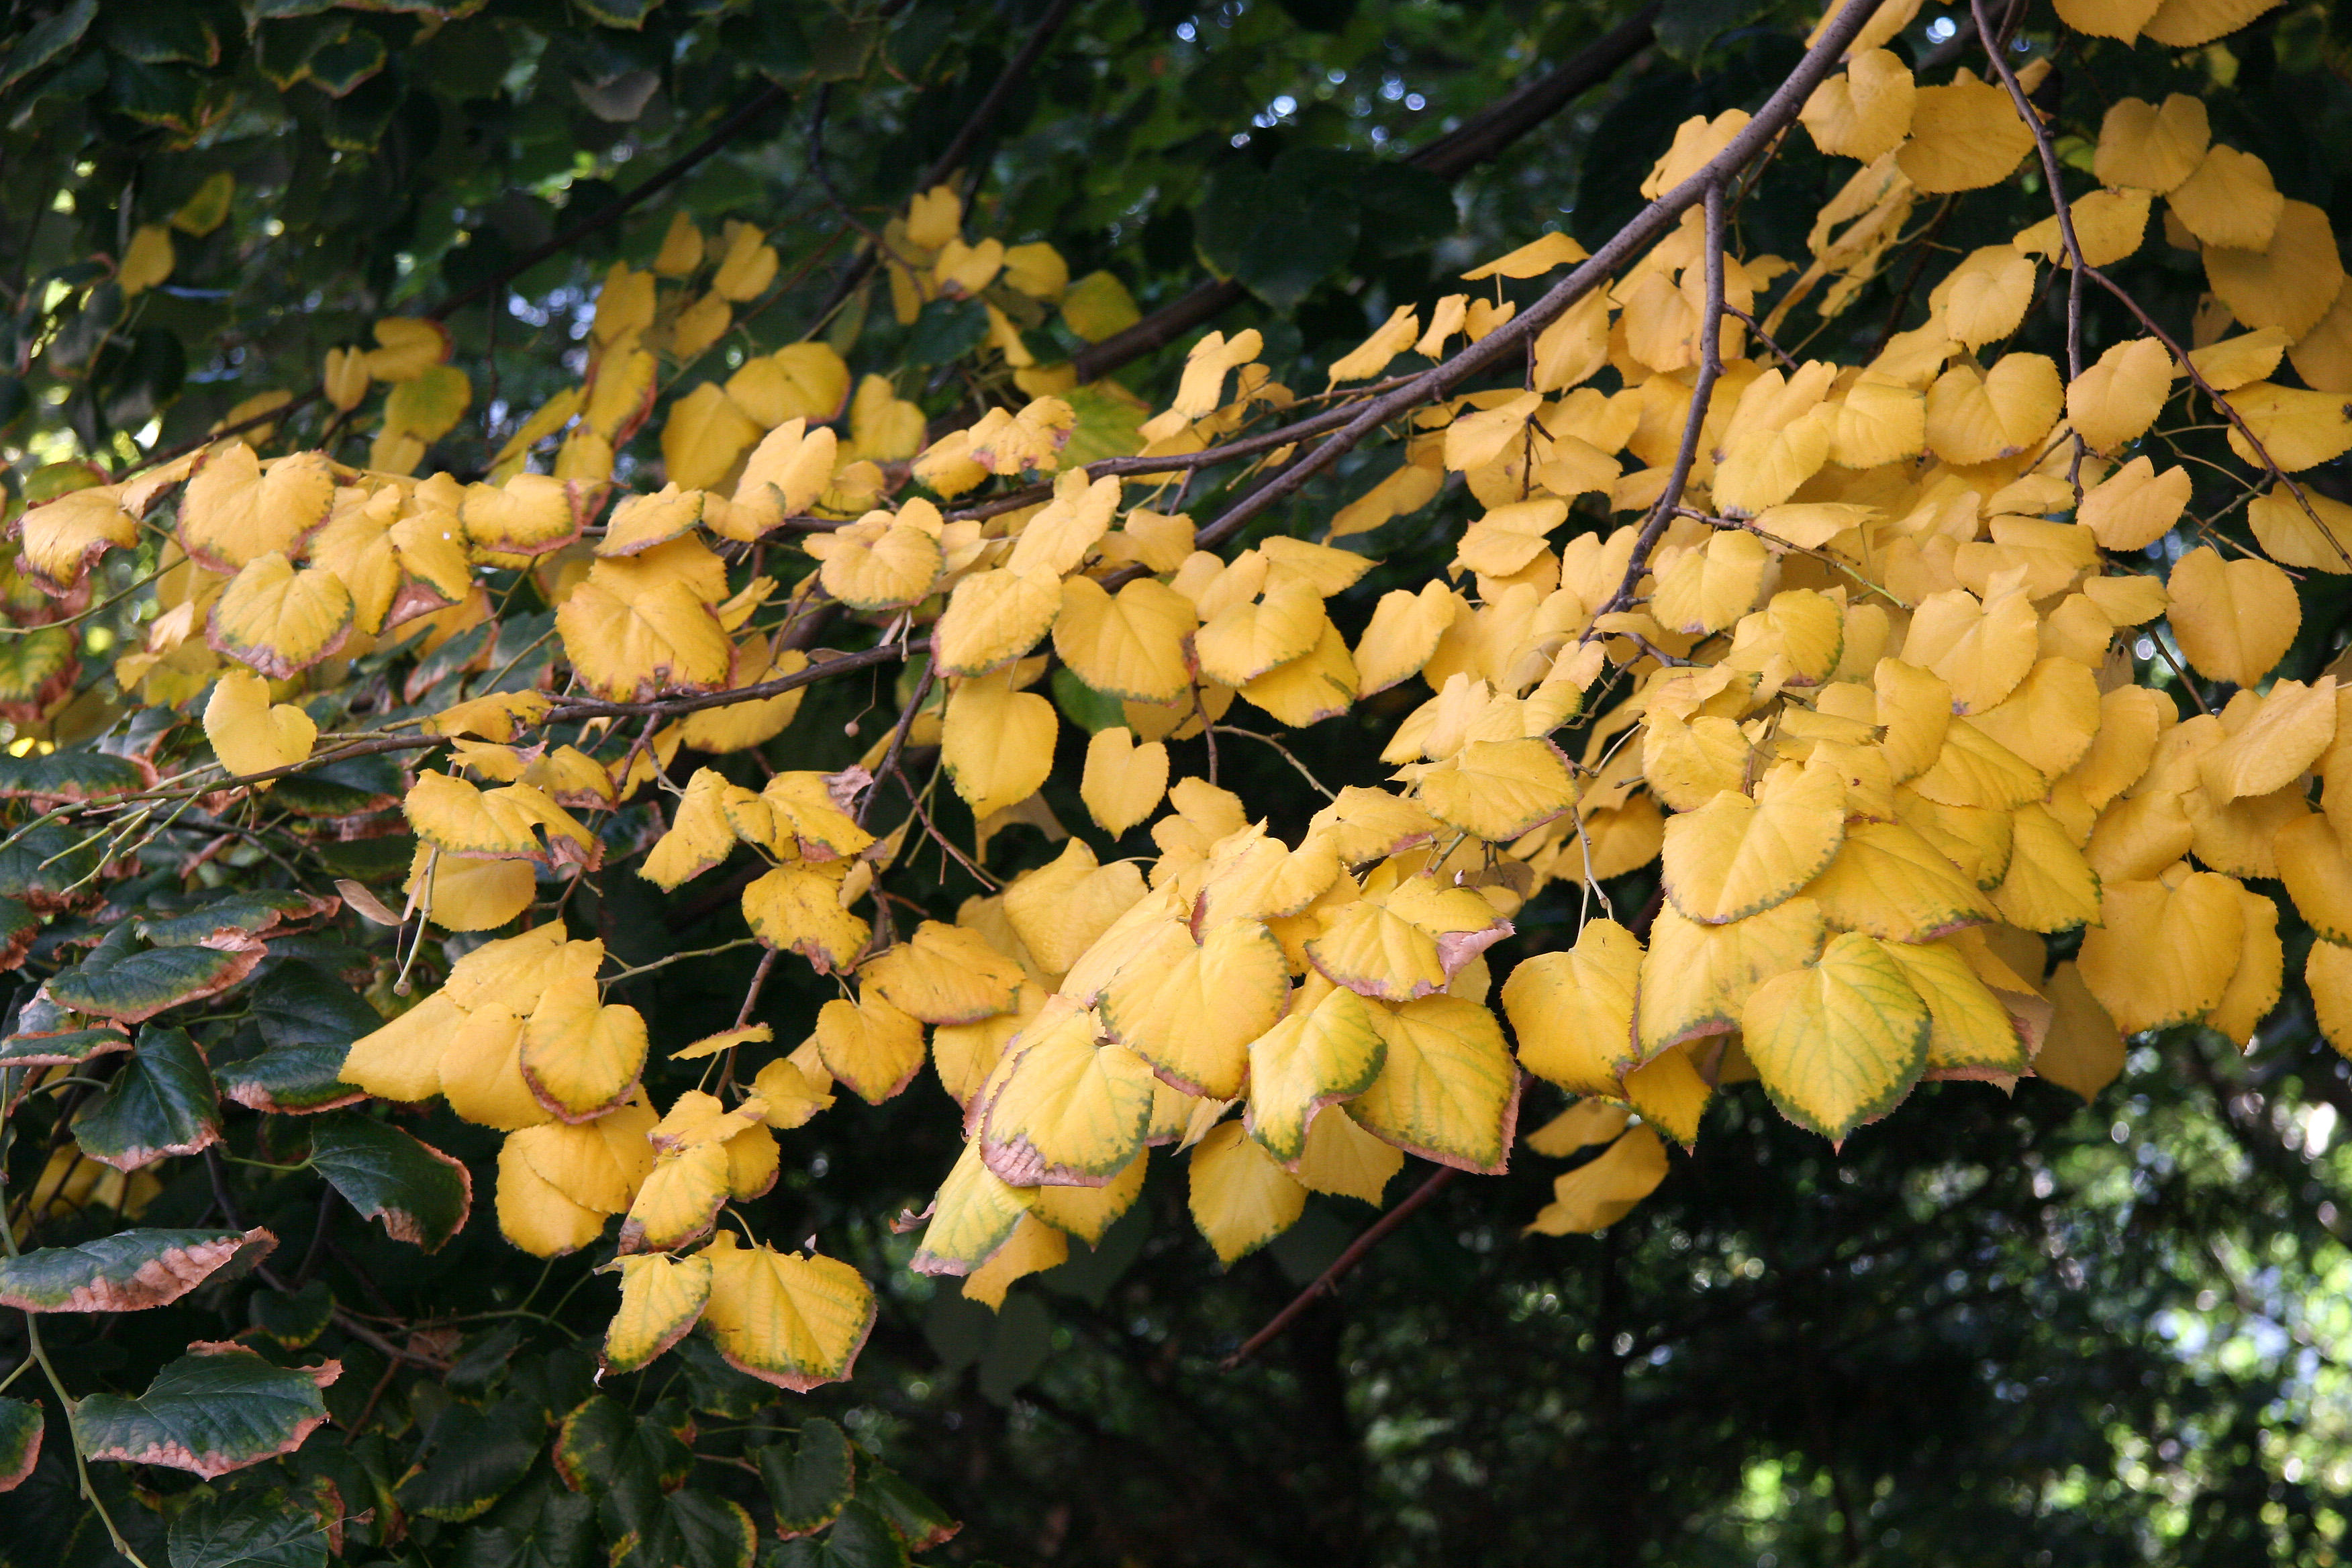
{"points": [[1343, 1264], [1647, 226]]}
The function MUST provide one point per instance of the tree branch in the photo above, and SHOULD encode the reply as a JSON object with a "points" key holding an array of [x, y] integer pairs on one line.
{"points": [[1647, 226], [1325, 1283]]}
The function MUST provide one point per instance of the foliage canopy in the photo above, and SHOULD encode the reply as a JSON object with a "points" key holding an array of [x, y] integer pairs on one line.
{"points": [[1691, 619]]}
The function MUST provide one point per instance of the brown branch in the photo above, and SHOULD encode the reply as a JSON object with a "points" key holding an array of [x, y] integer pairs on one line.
{"points": [[1341, 1266], [1710, 366], [1480, 139], [1647, 226]]}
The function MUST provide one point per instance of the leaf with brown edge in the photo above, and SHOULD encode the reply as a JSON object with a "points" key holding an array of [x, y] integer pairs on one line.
{"points": [[421, 1195], [68, 1049], [280, 620], [792, 1320], [161, 1103], [134, 986], [20, 1442], [127, 1272], [216, 1409]]}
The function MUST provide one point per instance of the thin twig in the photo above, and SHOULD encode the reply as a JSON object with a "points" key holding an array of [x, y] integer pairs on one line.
{"points": [[1341, 1266]]}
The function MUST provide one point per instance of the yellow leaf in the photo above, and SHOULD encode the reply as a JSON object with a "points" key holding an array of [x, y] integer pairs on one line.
{"points": [[2318, 539], [2185, 24], [2164, 955], [1448, 1089], [402, 1061], [994, 617], [2083, 1050], [481, 1071], [2049, 718], [1706, 590], [879, 564], [1088, 1212], [705, 433], [944, 974], [2108, 224], [1071, 1112], [797, 1322], [746, 265], [1696, 976], [1890, 882], [597, 1164], [536, 1215], [2317, 872], [640, 523], [2136, 506], [1099, 305], [1191, 1010], [1669, 1093], [1976, 416], [628, 641], [1496, 790], [794, 1089], [458, 892], [1533, 259], [410, 345], [2327, 973], [1314, 687], [65, 536], [997, 743], [973, 1216], [1403, 633], [2115, 400], [2289, 728], [661, 1297], [1245, 640], [1573, 1011], [1313, 1058], [147, 260], [1034, 1247], [236, 509], [796, 910], [248, 734], [1605, 1189], [2151, 147], [1985, 297], [2297, 429], [2288, 281], [1735, 856], [806, 381], [1344, 1160], [2234, 619], [1123, 782], [1969, 1033], [1131, 645], [1840, 1042], [2253, 989], [679, 1200], [699, 835], [207, 209], [1059, 910], [1964, 136], [1580, 1126], [1241, 1198], [580, 1058], [1982, 648], [1864, 110], [500, 824], [963, 1054], [2048, 886], [278, 620]]}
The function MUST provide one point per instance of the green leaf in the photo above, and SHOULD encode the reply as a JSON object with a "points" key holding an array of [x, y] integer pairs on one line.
{"points": [[1107, 426], [155, 32], [213, 917], [945, 330], [71, 775], [808, 1479], [161, 1102], [46, 860], [355, 787], [293, 1319], [20, 927], [860, 1538], [1279, 231], [604, 1443], [128, 1271], [685, 1530], [919, 1521], [20, 1442], [67, 1049], [47, 39], [253, 1530], [216, 1409], [471, 1459], [307, 1020], [132, 987], [538, 1524], [421, 1195]]}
